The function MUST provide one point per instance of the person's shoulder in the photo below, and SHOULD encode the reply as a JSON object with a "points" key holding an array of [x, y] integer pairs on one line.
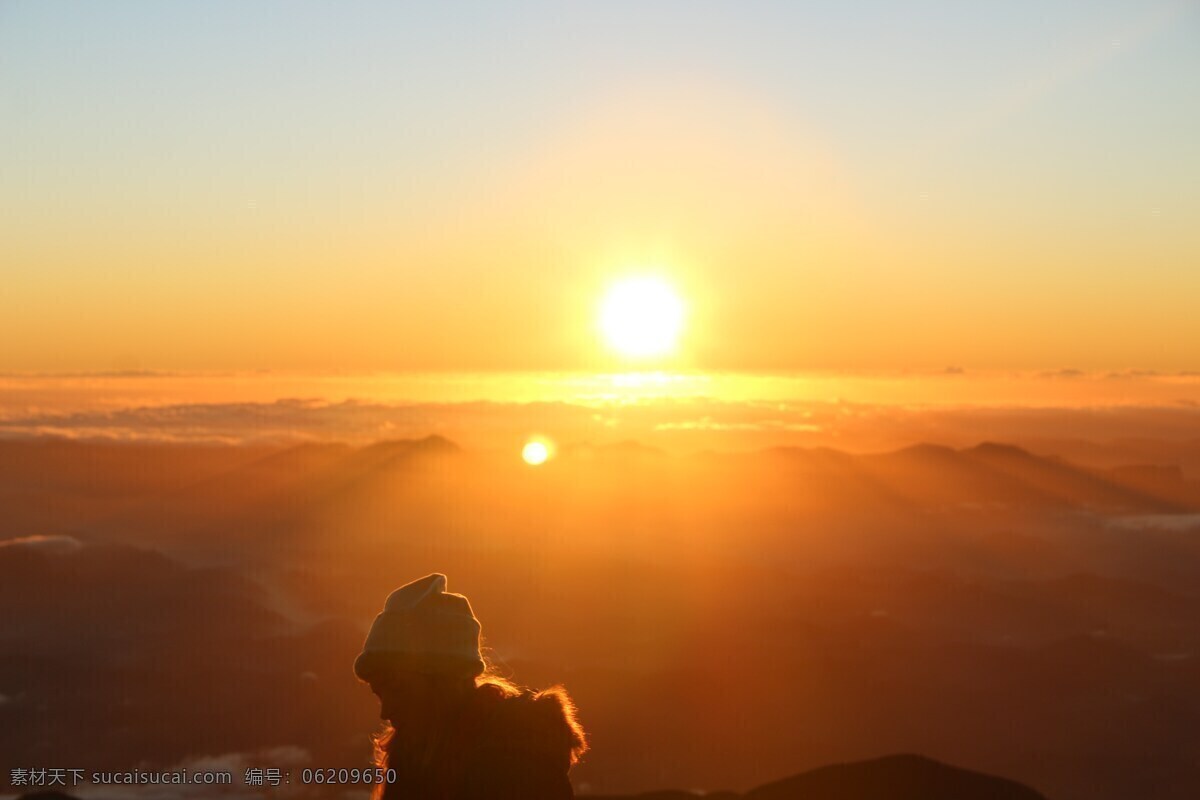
{"points": [[525, 746], [536, 722]]}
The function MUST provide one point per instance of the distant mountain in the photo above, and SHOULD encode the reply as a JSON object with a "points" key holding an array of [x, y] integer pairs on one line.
{"points": [[898, 777]]}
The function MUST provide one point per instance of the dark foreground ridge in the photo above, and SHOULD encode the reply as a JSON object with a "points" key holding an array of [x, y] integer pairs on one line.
{"points": [[898, 777]]}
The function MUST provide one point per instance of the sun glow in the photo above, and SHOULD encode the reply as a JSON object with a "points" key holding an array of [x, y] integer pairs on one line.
{"points": [[642, 317]]}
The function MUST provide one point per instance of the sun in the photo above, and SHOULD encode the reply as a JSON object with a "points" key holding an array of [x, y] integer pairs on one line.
{"points": [[642, 317]]}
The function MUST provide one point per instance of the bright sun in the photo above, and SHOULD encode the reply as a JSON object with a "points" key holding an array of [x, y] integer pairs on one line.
{"points": [[642, 317]]}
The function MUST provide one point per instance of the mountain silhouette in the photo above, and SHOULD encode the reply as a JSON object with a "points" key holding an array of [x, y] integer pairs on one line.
{"points": [[896, 777]]}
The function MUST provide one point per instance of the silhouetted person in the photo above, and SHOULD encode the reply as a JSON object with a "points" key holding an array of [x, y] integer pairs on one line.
{"points": [[457, 731]]}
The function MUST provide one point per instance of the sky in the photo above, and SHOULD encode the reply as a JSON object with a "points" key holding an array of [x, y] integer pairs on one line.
{"points": [[452, 186]]}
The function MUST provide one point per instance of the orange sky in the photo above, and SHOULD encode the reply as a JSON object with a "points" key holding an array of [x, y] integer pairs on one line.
{"points": [[968, 192]]}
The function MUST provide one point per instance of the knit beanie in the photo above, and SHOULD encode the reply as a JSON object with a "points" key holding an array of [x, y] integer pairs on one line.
{"points": [[423, 628]]}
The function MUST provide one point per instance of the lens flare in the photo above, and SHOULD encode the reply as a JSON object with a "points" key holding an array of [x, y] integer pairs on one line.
{"points": [[535, 452]]}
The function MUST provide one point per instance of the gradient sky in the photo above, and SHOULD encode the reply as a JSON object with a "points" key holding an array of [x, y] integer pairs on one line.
{"points": [[330, 186]]}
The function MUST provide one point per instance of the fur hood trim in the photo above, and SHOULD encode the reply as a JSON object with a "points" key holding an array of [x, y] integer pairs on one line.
{"points": [[542, 721]]}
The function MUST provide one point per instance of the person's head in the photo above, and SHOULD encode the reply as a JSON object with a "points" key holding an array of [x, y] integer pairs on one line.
{"points": [[422, 652]]}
